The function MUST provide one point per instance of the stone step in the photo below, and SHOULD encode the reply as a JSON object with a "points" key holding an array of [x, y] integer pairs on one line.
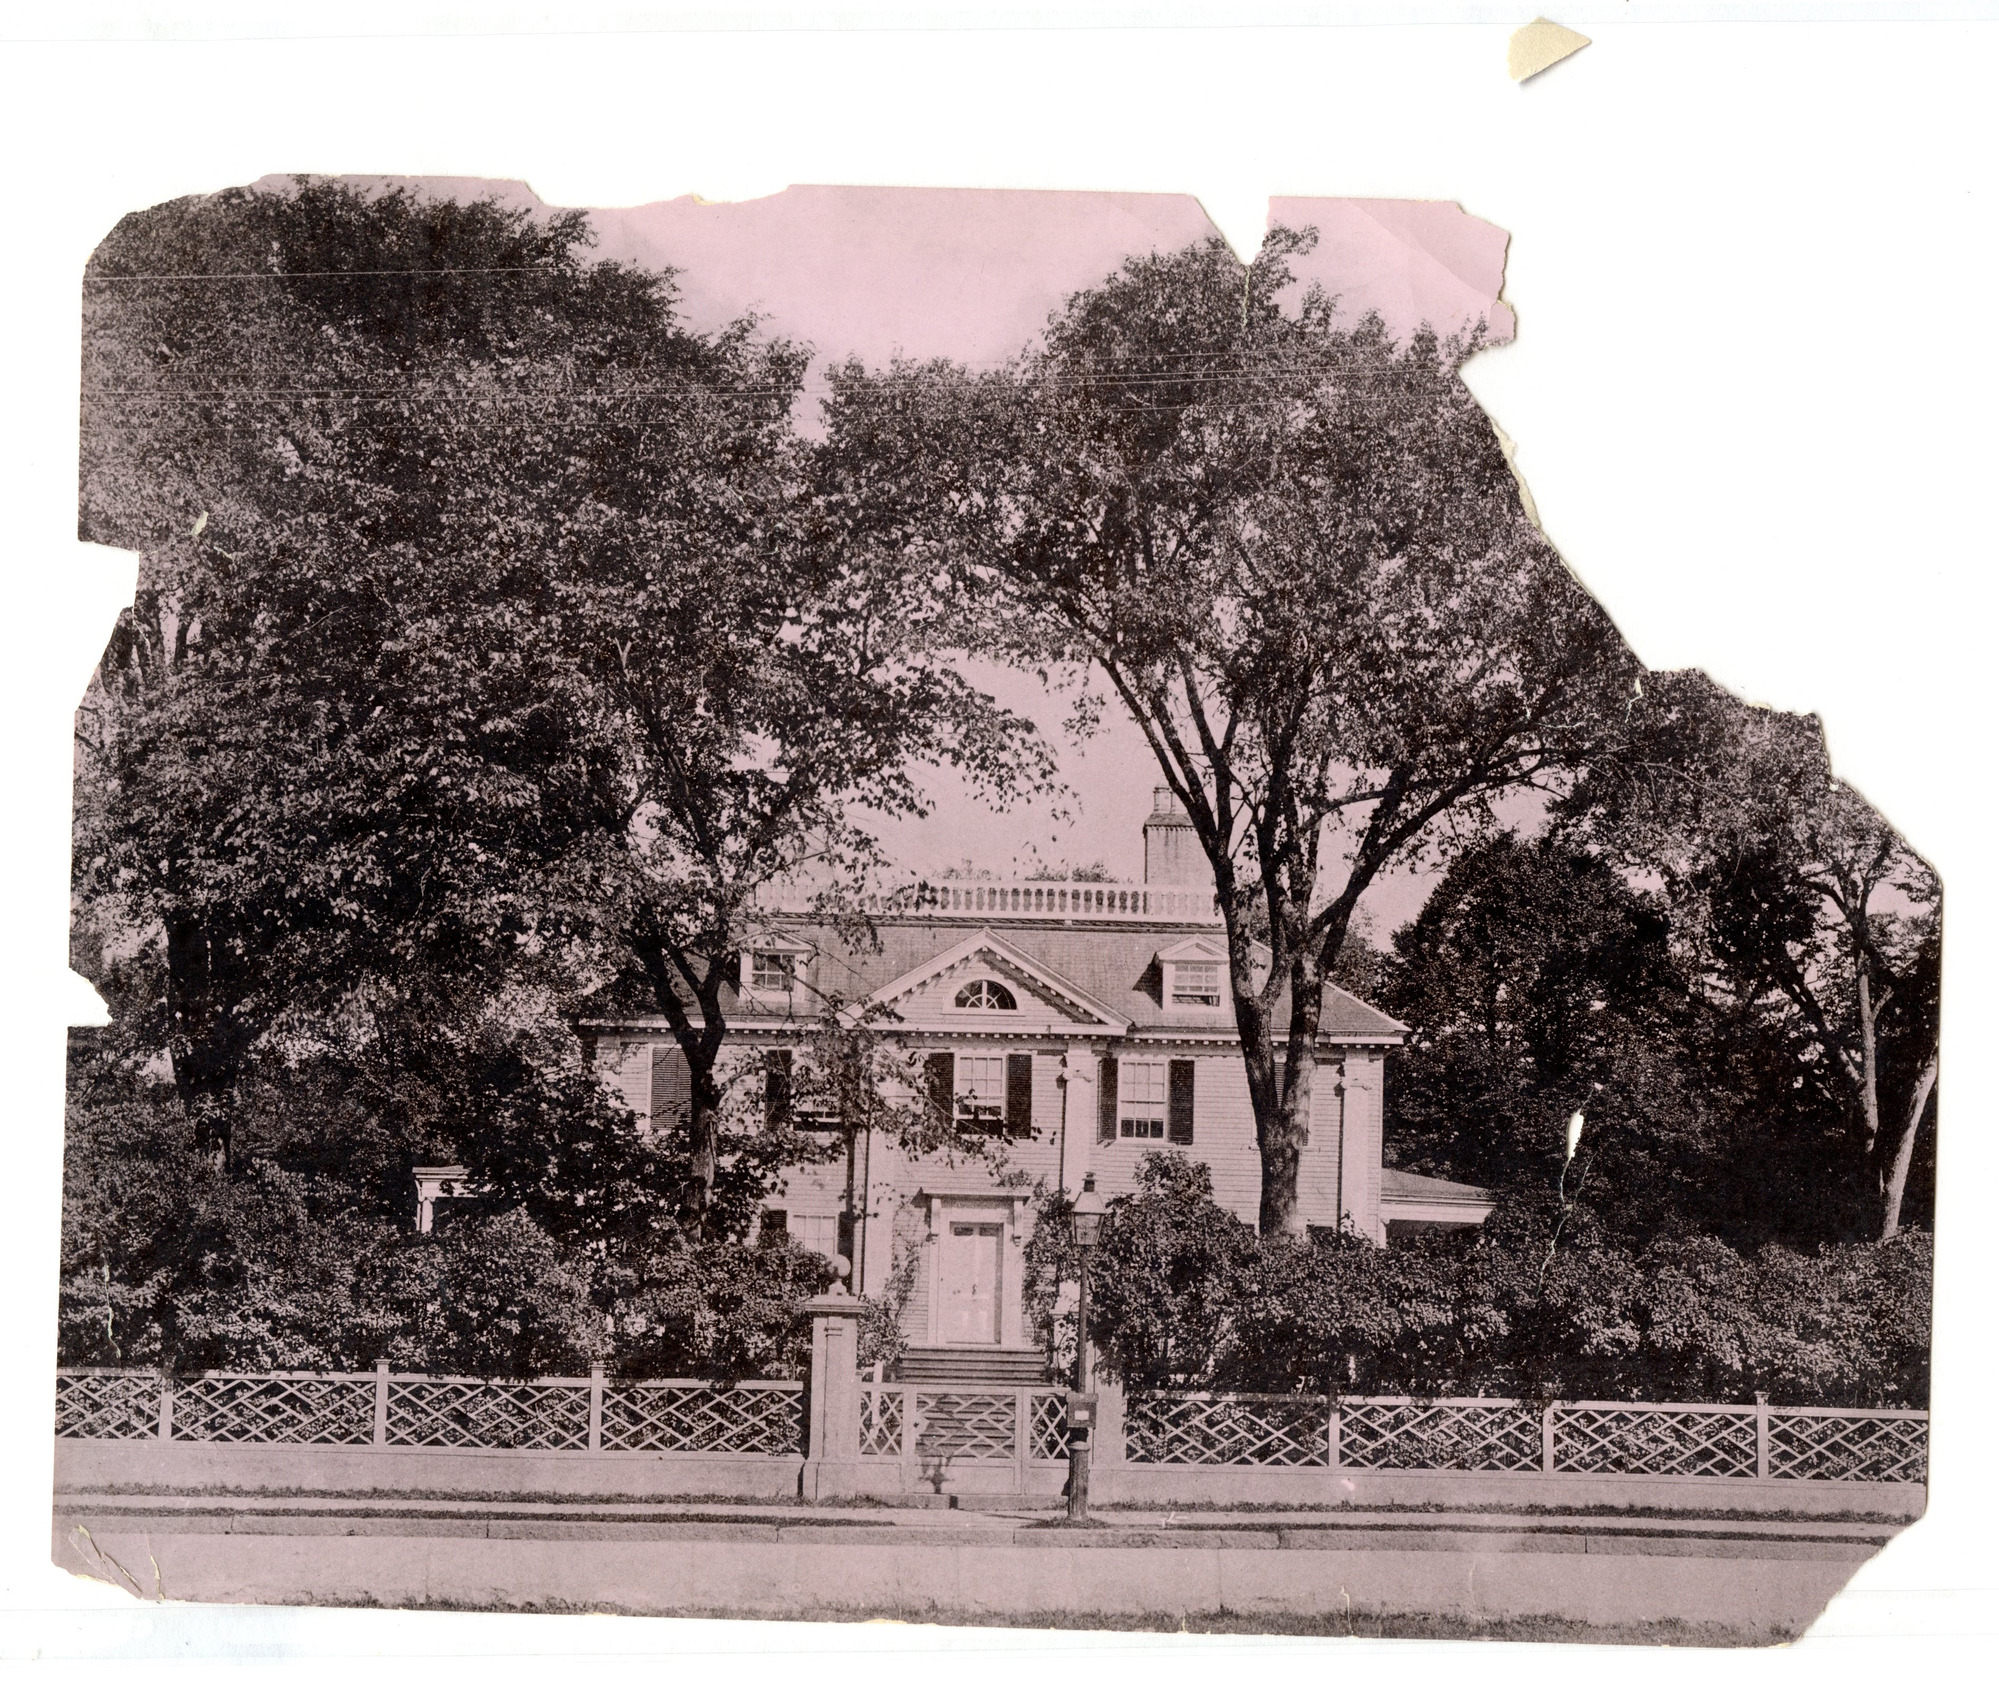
{"points": [[989, 1367]]}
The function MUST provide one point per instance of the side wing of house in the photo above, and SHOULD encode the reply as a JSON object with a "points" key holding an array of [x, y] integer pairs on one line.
{"points": [[1339, 1173]]}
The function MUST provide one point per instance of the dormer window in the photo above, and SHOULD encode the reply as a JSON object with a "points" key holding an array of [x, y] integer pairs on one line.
{"points": [[770, 968], [770, 973], [1197, 984], [987, 994], [1191, 976]]}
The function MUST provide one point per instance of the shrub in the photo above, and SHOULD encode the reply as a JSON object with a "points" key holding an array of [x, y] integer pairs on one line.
{"points": [[1186, 1295], [494, 1296], [1166, 1282], [720, 1309]]}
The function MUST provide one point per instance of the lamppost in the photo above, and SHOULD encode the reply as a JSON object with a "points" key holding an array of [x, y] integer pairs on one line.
{"points": [[1086, 1223]]}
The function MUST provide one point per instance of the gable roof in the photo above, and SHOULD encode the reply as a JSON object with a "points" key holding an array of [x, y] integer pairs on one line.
{"points": [[1114, 969], [1010, 958]]}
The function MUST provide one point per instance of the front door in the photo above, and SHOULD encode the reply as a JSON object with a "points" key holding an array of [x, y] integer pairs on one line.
{"points": [[969, 1281]]}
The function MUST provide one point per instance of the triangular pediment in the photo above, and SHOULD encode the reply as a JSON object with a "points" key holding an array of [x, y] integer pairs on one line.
{"points": [[1045, 1000], [771, 941], [1200, 948]]}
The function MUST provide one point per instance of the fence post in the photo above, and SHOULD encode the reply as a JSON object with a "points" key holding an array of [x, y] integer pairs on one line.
{"points": [[1108, 1453], [596, 1442], [1333, 1432], [1762, 1437], [381, 1402], [907, 1396], [1548, 1439], [166, 1405], [833, 1427], [1023, 1406]]}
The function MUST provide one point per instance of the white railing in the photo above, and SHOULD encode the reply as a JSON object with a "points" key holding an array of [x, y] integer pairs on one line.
{"points": [[1586, 1438], [982, 899], [378, 1408]]}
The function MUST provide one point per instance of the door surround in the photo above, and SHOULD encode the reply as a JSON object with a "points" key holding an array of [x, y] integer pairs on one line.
{"points": [[1002, 1208]]}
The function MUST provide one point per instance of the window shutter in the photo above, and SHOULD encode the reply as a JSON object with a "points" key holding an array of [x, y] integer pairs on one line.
{"points": [[672, 1087], [940, 1076], [1020, 1092], [1180, 1102], [1107, 1099], [777, 1086]]}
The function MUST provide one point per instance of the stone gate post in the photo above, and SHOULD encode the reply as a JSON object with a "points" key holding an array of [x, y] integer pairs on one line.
{"points": [[1107, 1463], [833, 1401]]}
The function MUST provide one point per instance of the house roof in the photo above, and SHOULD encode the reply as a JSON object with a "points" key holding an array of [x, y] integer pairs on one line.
{"points": [[1401, 1186], [1114, 966], [1012, 959]]}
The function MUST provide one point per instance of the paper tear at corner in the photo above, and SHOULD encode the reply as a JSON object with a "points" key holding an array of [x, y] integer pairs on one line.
{"points": [[1541, 44], [1509, 451]]}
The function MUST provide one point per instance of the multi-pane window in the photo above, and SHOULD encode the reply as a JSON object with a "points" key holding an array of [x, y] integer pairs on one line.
{"points": [[1197, 984], [770, 972], [1141, 1105], [987, 993], [982, 1087]]}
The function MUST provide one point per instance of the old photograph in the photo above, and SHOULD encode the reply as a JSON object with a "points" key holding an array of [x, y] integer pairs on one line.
{"points": [[933, 904]]}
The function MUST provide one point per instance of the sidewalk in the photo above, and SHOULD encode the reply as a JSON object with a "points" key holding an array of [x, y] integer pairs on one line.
{"points": [[1753, 1580], [988, 1524]]}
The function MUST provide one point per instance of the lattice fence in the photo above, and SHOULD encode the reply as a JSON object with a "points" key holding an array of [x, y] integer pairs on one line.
{"points": [[1830, 1446], [320, 1410], [1280, 1429], [1440, 1435], [1642, 1440], [695, 1417], [991, 1426], [956, 1424], [474, 1412], [107, 1405], [881, 1422], [1048, 1426]]}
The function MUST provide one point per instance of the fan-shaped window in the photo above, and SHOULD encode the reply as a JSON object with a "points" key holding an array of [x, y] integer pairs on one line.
{"points": [[987, 993]]}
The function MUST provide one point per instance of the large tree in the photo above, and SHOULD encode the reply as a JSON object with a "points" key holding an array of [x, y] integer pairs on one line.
{"points": [[752, 690], [315, 758], [490, 635], [1800, 906], [1292, 550]]}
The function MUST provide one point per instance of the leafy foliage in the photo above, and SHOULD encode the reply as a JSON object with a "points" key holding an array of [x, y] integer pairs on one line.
{"points": [[1798, 912], [1293, 551], [1537, 981], [1185, 1295]]}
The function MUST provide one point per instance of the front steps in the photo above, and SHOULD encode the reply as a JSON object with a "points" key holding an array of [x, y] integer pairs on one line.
{"points": [[974, 1367]]}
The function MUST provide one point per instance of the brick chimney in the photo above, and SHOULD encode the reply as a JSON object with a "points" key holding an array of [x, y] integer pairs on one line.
{"points": [[1172, 853]]}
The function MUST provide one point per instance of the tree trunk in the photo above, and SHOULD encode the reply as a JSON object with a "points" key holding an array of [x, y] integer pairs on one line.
{"points": [[700, 1041], [1870, 1075], [1905, 1151], [1280, 1094], [1279, 1144], [704, 1109]]}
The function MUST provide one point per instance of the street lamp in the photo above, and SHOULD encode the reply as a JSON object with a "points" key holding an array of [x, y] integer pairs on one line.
{"points": [[1086, 1224]]}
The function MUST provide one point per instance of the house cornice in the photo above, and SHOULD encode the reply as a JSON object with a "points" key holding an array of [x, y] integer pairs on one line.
{"points": [[966, 1029]]}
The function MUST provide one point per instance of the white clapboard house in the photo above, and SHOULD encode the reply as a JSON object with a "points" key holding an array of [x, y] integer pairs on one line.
{"points": [[1087, 1022]]}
